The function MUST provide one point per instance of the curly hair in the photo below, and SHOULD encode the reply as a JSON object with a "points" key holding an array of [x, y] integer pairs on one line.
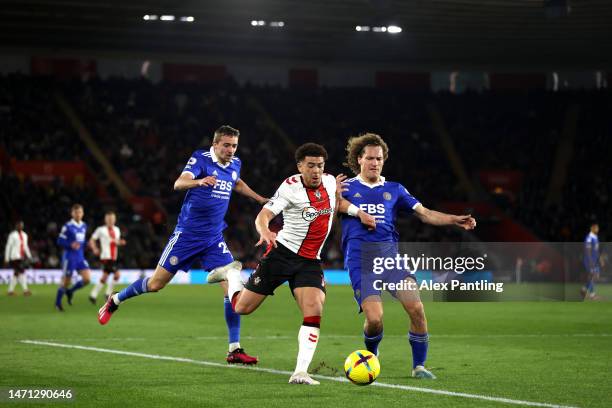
{"points": [[355, 149], [310, 149]]}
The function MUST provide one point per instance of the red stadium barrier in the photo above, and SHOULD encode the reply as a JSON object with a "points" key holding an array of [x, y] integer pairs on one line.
{"points": [[40, 171], [63, 67]]}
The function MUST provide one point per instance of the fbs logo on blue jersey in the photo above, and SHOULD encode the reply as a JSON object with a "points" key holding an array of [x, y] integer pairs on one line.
{"points": [[310, 214]]}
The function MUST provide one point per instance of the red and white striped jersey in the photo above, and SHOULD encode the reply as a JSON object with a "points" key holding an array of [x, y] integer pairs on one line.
{"points": [[307, 213], [17, 248], [109, 241]]}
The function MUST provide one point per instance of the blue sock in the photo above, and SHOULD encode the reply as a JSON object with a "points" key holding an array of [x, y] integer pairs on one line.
{"points": [[232, 320], [419, 344], [589, 286], [60, 295], [137, 287], [76, 286], [372, 342]]}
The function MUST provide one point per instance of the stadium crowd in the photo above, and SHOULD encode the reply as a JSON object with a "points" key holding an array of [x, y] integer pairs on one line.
{"points": [[147, 131]]}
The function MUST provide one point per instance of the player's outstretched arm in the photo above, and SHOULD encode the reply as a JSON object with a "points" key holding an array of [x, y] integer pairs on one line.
{"points": [[261, 224], [243, 188], [467, 222], [346, 207], [186, 181]]}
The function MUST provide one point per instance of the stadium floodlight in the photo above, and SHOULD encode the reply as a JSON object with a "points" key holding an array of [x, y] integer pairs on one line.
{"points": [[167, 17], [379, 29], [277, 24], [393, 29], [149, 17], [362, 28], [254, 23], [188, 19]]}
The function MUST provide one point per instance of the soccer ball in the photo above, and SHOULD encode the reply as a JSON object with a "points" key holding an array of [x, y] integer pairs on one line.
{"points": [[362, 367]]}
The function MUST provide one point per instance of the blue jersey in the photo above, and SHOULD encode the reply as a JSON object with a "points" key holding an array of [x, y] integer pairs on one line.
{"points": [[382, 200], [591, 250], [204, 208], [71, 232]]}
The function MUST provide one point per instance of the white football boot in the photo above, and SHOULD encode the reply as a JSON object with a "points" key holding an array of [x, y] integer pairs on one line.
{"points": [[302, 378], [421, 372], [220, 274]]}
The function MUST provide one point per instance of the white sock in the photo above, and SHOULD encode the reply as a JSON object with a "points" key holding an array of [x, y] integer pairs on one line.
{"points": [[23, 281], [96, 289], [234, 283], [109, 287], [116, 299], [234, 346], [308, 338], [12, 283]]}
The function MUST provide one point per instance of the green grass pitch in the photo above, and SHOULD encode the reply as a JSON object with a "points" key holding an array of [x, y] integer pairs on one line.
{"points": [[544, 352]]}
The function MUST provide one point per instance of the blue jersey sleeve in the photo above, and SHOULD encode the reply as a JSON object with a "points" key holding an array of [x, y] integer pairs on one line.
{"points": [[238, 164], [196, 166], [406, 201], [65, 237]]}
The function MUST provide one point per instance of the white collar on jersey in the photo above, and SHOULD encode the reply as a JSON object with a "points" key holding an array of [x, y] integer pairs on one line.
{"points": [[215, 159], [78, 224], [592, 235], [381, 182]]}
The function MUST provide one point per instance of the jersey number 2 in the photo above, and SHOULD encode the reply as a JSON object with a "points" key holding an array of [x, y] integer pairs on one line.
{"points": [[223, 245]]}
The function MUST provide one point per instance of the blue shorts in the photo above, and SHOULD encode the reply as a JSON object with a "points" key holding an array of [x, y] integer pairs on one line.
{"points": [[184, 248], [359, 260], [69, 266]]}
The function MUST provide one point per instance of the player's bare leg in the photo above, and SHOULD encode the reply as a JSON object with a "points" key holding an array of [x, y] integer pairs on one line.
{"points": [[235, 353], [373, 326], [246, 301], [97, 287], [419, 339], [155, 283], [310, 301]]}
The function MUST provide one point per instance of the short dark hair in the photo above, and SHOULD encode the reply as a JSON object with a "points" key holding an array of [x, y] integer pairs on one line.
{"points": [[310, 149], [76, 206], [355, 149], [225, 130], [110, 212]]}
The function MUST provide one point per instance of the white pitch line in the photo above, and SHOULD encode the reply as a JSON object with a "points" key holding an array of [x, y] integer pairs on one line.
{"points": [[273, 371]]}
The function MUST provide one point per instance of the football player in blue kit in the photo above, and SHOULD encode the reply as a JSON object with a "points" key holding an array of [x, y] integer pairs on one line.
{"points": [[72, 241], [592, 261], [383, 199], [209, 177]]}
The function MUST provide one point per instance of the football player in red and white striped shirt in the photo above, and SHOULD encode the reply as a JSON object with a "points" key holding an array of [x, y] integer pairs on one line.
{"points": [[308, 201], [16, 253], [110, 239]]}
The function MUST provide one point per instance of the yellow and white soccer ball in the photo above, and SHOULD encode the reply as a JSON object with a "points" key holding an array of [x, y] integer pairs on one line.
{"points": [[361, 367]]}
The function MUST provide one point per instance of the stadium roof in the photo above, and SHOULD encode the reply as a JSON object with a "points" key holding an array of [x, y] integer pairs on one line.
{"points": [[456, 32]]}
